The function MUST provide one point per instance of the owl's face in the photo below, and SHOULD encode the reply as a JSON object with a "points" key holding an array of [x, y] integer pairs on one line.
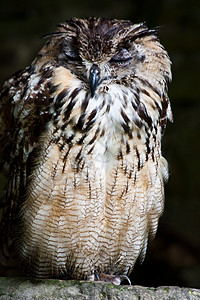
{"points": [[100, 51]]}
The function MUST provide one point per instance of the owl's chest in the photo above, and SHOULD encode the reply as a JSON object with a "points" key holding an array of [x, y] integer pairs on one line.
{"points": [[83, 166], [91, 134]]}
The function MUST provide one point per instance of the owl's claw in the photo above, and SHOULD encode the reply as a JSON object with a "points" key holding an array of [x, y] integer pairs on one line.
{"points": [[124, 277], [96, 275], [115, 279]]}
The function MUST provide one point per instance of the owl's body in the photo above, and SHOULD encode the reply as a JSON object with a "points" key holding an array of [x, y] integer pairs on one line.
{"points": [[84, 157]]}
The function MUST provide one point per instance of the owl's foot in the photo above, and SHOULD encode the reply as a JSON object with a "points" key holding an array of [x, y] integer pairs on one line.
{"points": [[114, 279]]}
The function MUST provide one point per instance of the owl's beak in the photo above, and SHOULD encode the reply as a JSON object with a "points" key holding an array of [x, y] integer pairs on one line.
{"points": [[94, 78]]}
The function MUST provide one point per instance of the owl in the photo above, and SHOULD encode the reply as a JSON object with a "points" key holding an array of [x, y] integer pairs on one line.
{"points": [[80, 135]]}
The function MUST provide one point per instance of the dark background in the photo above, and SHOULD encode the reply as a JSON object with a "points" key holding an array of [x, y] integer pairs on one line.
{"points": [[174, 256]]}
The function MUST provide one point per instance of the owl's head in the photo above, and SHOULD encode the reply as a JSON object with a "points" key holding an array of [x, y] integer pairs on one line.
{"points": [[100, 50]]}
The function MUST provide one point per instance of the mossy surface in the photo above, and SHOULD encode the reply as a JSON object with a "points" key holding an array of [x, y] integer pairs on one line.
{"points": [[23, 288]]}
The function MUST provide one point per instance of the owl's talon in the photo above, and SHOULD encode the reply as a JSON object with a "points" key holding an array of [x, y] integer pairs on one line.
{"points": [[96, 275], [114, 279], [125, 278]]}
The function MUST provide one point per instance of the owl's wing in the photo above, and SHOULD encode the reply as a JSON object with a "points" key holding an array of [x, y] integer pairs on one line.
{"points": [[24, 111]]}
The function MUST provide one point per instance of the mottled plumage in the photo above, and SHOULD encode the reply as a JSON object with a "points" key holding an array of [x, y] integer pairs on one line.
{"points": [[80, 135]]}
